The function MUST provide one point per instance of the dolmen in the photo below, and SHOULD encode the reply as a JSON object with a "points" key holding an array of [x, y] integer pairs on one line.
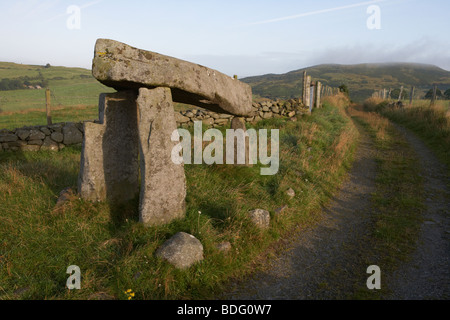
{"points": [[132, 138]]}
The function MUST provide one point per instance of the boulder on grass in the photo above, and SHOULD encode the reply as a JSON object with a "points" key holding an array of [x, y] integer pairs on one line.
{"points": [[182, 250]]}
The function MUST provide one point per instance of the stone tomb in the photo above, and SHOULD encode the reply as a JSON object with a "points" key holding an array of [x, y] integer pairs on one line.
{"points": [[136, 125]]}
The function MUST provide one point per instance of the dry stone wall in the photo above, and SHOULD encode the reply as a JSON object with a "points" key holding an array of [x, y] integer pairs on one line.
{"points": [[56, 137], [53, 138], [261, 110]]}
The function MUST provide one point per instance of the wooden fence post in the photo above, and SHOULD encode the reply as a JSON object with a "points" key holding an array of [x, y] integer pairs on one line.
{"points": [[411, 96], [307, 92], [400, 94], [304, 88], [318, 94], [48, 106], [433, 98], [312, 96]]}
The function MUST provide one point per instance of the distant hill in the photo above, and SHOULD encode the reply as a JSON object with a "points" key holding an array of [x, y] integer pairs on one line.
{"points": [[361, 79], [69, 86]]}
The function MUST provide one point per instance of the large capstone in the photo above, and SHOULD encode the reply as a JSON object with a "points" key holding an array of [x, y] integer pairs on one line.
{"points": [[163, 182], [123, 67]]}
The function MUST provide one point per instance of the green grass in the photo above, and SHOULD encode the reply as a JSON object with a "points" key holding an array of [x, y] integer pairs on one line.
{"points": [[398, 200], [13, 120], [432, 124], [116, 253]]}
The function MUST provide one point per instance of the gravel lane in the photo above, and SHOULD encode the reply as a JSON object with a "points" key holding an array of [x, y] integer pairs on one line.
{"points": [[427, 275]]}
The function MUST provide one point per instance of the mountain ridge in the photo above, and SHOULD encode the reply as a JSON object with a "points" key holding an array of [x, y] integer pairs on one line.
{"points": [[361, 79]]}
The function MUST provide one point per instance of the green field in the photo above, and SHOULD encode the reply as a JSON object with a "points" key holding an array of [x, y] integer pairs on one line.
{"points": [[69, 87], [74, 96]]}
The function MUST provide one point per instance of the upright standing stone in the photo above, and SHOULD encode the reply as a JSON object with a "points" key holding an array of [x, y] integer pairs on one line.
{"points": [[163, 183], [109, 158]]}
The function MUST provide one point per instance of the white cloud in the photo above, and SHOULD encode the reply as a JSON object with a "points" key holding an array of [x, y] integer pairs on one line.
{"points": [[313, 13], [424, 50]]}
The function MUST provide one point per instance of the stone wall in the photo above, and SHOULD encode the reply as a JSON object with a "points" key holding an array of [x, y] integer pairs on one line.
{"points": [[261, 110], [56, 137], [53, 137]]}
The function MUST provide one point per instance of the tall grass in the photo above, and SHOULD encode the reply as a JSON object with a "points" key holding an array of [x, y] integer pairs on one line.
{"points": [[432, 123]]}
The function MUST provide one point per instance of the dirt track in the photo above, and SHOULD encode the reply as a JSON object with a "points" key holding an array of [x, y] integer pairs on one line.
{"points": [[427, 275], [329, 260]]}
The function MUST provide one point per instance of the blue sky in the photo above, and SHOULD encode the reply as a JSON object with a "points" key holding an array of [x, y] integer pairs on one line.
{"points": [[243, 37]]}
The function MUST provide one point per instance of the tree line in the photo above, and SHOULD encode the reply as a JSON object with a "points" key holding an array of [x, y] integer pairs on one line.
{"points": [[23, 82]]}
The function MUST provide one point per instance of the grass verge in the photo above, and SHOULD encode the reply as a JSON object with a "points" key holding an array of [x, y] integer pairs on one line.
{"points": [[116, 253]]}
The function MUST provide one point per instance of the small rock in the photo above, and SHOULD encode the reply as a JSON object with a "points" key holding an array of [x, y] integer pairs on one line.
{"points": [[71, 134], [267, 115], [17, 144], [57, 137], [50, 145], [260, 217], [64, 196], [21, 291], [36, 135], [208, 122], [290, 192], [46, 131], [30, 148], [23, 134], [182, 250], [180, 118], [35, 142], [56, 128], [224, 246], [281, 209], [9, 137], [221, 121]]}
